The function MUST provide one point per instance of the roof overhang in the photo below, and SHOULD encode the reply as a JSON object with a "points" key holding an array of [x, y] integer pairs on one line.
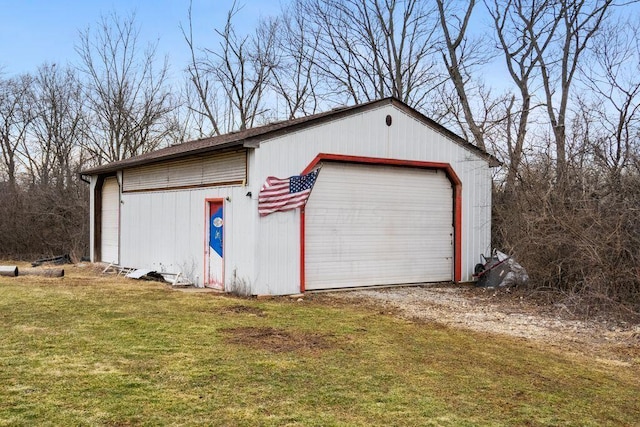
{"points": [[252, 138]]}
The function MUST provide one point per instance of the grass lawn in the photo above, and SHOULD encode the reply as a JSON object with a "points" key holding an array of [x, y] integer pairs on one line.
{"points": [[94, 350]]}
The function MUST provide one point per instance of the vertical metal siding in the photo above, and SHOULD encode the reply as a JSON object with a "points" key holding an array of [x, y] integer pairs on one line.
{"points": [[366, 135], [278, 257], [166, 231]]}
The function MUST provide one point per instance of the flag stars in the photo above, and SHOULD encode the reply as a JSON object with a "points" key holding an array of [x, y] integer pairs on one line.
{"points": [[279, 194]]}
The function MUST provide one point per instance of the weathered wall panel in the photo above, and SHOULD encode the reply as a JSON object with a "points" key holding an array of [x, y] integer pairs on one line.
{"points": [[110, 221], [213, 169]]}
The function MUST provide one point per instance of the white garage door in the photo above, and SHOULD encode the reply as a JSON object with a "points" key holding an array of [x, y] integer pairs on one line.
{"points": [[371, 225], [110, 221]]}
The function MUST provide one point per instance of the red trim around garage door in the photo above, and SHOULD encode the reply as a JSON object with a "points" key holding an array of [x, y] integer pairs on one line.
{"points": [[457, 202]]}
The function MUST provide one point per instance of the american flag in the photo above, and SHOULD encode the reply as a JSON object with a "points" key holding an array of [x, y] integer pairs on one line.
{"points": [[283, 194]]}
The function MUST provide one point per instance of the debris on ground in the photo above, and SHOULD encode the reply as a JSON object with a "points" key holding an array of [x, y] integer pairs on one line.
{"points": [[14, 271], [175, 279], [8, 270], [43, 272], [56, 260], [500, 271], [142, 274]]}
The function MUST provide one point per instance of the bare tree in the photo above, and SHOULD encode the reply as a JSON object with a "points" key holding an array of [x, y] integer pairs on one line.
{"points": [[44, 211], [454, 26], [15, 118], [370, 49], [202, 103], [613, 97], [53, 150], [127, 96], [516, 22], [463, 54], [244, 68], [235, 77], [295, 80], [575, 22]]}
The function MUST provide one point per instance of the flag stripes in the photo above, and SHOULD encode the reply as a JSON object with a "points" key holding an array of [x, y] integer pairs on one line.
{"points": [[283, 194]]}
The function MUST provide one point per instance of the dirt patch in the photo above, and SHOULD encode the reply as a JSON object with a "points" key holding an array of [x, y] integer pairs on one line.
{"points": [[277, 340], [500, 312], [244, 309]]}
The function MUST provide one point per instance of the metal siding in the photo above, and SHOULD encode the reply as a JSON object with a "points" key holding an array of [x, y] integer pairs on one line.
{"points": [[264, 253], [278, 257], [110, 220], [367, 135], [378, 225], [166, 231], [192, 172]]}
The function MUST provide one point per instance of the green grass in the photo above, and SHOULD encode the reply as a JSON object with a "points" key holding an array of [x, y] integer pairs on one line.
{"points": [[91, 350]]}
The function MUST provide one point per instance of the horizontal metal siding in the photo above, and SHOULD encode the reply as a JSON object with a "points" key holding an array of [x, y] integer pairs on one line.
{"points": [[378, 225], [208, 170]]}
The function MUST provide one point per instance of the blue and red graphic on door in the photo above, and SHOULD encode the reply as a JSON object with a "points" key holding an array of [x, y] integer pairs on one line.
{"points": [[215, 231]]}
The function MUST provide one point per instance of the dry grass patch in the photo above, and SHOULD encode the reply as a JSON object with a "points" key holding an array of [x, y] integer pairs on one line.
{"points": [[243, 309], [277, 340]]}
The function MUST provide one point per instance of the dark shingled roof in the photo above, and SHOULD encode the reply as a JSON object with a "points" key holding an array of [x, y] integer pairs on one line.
{"points": [[235, 140]]}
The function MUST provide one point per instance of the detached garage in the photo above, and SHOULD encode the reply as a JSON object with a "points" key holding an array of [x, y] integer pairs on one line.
{"points": [[383, 196]]}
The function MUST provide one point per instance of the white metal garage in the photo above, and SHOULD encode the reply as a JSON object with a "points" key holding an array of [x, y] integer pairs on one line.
{"points": [[378, 225], [110, 220], [399, 199]]}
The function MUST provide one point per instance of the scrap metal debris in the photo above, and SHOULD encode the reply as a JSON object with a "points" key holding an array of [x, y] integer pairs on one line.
{"points": [[8, 270], [56, 260], [175, 279], [500, 270], [142, 274]]}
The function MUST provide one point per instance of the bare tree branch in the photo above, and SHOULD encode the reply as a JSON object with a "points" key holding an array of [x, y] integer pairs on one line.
{"points": [[126, 94], [15, 118]]}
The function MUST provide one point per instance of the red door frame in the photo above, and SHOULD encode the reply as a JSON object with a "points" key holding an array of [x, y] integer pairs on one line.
{"points": [[207, 219], [446, 167]]}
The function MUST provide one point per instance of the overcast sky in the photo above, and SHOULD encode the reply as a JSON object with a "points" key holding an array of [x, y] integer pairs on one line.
{"points": [[37, 31]]}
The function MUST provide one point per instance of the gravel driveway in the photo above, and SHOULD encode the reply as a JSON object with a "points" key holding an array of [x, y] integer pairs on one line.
{"points": [[487, 310]]}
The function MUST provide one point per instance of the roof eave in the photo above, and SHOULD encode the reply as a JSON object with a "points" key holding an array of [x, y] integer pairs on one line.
{"points": [[255, 137], [125, 164]]}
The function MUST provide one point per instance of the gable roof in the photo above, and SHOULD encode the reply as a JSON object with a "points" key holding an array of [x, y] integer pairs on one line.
{"points": [[251, 137]]}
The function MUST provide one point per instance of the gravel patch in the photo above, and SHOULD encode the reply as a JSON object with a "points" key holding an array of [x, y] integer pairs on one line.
{"points": [[486, 310]]}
